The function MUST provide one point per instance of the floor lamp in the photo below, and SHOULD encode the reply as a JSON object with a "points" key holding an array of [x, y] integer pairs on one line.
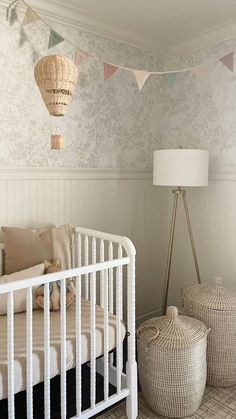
{"points": [[180, 168]]}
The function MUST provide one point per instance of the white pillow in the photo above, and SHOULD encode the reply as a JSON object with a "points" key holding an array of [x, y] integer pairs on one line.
{"points": [[20, 296]]}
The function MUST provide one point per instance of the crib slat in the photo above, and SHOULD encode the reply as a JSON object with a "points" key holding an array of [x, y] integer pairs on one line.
{"points": [[93, 339], [118, 329], [78, 347], [120, 255], [111, 291], [86, 262], [10, 355], [119, 318], [106, 338], [78, 329], [29, 339], [102, 274], [94, 251], [110, 256], [46, 351], [63, 347]]}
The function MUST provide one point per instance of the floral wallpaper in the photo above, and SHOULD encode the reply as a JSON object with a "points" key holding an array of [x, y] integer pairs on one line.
{"points": [[201, 113], [108, 125], [111, 124]]}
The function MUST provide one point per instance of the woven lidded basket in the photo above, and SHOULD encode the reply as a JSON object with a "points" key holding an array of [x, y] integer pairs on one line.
{"points": [[216, 307], [172, 363], [56, 77]]}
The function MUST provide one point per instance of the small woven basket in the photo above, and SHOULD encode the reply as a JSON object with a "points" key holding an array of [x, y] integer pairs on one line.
{"points": [[56, 77], [57, 142], [172, 363], [216, 307]]}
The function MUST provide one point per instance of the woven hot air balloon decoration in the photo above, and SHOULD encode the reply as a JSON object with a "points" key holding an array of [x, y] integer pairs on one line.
{"points": [[56, 77]]}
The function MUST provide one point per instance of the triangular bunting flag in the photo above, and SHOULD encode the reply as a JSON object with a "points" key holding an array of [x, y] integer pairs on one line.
{"points": [[80, 56], [109, 70], [141, 77], [228, 61], [54, 39], [170, 78], [30, 16], [200, 72]]}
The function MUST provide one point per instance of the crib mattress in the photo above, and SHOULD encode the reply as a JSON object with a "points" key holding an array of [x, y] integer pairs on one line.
{"points": [[38, 346]]}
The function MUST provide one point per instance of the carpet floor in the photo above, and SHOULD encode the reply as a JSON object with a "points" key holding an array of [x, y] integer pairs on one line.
{"points": [[218, 403]]}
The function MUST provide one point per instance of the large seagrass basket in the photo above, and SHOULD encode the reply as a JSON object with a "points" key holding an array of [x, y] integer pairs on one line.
{"points": [[172, 363], [56, 77], [216, 307]]}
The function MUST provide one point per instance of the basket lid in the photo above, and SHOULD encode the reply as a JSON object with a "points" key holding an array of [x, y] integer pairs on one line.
{"points": [[213, 295], [173, 331]]}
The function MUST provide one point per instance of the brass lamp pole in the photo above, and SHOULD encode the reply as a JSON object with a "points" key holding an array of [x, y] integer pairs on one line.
{"points": [[184, 167], [178, 192]]}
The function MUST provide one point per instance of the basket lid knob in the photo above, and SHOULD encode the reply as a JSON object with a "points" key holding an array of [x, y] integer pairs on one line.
{"points": [[172, 312]]}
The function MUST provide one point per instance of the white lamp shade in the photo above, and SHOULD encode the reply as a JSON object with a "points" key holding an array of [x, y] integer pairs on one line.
{"points": [[180, 167]]}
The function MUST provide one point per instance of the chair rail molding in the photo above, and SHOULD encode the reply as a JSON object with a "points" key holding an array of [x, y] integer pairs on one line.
{"points": [[34, 173]]}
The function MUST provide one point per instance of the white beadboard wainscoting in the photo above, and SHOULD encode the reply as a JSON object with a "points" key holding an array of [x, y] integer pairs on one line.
{"points": [[118, 202], [126, 202]]}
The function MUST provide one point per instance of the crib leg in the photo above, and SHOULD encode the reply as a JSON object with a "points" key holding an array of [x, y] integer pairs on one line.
{"points": [[132, 399]]}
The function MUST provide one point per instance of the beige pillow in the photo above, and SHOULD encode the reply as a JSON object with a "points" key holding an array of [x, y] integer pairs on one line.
{"points": [[26, 248], [20, 296]]}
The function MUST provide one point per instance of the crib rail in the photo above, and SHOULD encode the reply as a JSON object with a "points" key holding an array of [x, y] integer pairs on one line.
{"points": [[99, 260], [52, 277]]}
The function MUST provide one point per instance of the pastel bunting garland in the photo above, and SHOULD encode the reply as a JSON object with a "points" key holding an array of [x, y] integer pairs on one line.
{"points": [[228, 61], [30, 17], [170, 78], [141, 76], [54, 39], [109, 70], [200, 72], [80, 56]]}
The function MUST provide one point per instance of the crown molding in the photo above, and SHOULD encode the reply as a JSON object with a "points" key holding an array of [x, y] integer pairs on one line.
{"points": [[204, 40], [56, 11]]}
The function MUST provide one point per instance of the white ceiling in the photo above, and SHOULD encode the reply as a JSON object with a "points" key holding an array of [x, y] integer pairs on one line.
{"points": [[169, 26]]}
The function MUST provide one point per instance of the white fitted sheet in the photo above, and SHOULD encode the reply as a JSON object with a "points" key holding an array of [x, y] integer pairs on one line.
{"points": [[38, 345]]}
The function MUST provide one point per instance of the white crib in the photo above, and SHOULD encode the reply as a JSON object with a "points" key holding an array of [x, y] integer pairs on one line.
{"points": [[104, 271]]}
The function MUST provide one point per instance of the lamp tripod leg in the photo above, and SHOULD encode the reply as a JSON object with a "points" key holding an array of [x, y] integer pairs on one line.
{"points": [[170, 250], [191, 236]]}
